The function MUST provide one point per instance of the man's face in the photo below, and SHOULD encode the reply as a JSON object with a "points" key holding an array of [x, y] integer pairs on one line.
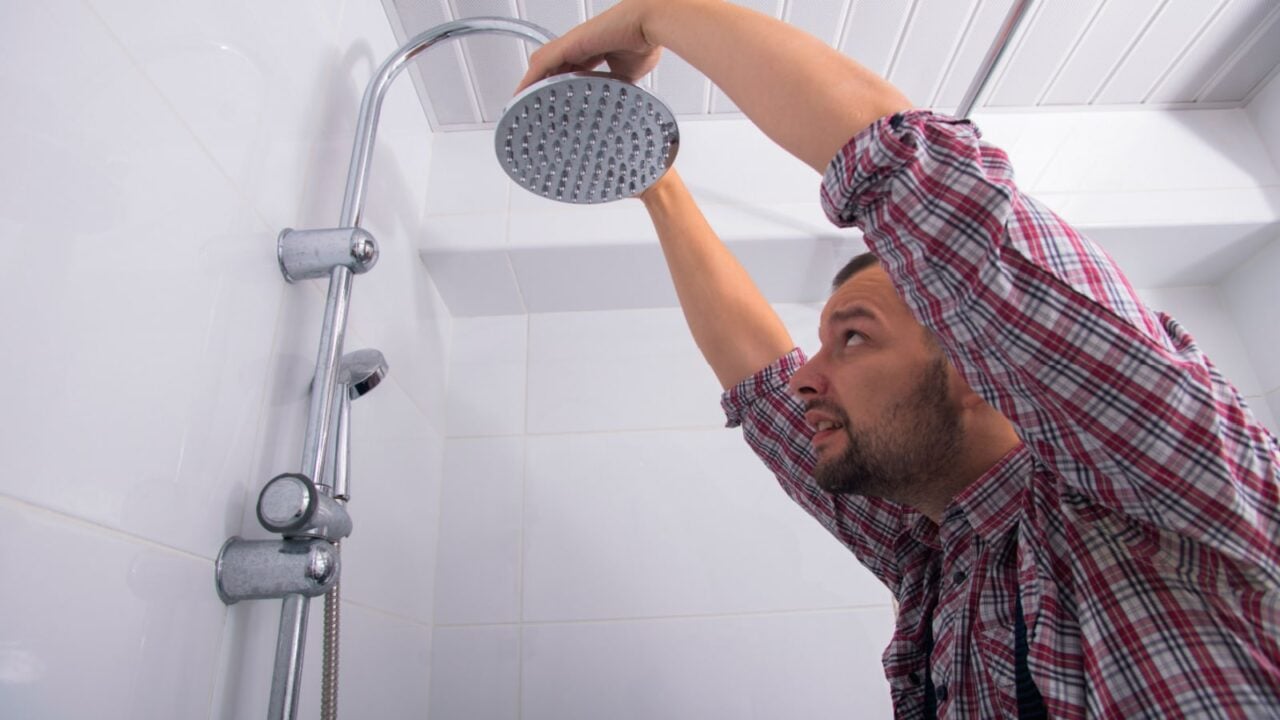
{"points": [[879, 395]]}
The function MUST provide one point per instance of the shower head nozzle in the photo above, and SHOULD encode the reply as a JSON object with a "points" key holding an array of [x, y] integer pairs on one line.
{"points": [[586, 137]]}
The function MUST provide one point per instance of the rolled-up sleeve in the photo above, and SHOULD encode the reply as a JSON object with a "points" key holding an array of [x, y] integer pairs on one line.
{"points": [[1117, 399]]}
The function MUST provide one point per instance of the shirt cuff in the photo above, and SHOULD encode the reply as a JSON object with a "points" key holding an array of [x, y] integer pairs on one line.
{"points": [[857, 176], [737, 400]]}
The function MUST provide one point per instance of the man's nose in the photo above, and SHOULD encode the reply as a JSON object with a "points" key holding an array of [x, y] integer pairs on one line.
{"points": [[808, 380]]}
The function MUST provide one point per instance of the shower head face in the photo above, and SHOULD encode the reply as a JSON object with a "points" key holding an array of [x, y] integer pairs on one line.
{"points": [[586, 137]]}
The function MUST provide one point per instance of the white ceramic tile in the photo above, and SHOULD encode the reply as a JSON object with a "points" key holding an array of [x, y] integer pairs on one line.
{"points": [[396, 468], [384, 663], [1268, 411], [538, 222], [1252, 297], [475, 673], [732, 162], [256, 83], [487, 370], [1201, 312], [475, 283], [618, 370], [384, 666], [818, 665], [142, 317], [1264, 111], [465, 175], [96, 625], [469, 232], [478, 575], [655, 524], [564, 279]]}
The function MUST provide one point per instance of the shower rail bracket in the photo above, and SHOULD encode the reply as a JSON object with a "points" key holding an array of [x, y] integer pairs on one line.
{"points": [[273, 569], [309, 254]]}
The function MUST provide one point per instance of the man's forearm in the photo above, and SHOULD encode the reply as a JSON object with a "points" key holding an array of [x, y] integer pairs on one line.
{"points": [[805, 95], [733, 324]]}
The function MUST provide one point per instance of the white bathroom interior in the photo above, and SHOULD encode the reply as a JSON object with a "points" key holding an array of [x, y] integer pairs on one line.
{"points": [[550, 520]]}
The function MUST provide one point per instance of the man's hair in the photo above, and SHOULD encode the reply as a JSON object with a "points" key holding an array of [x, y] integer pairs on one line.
{"points": [[853, 267]]}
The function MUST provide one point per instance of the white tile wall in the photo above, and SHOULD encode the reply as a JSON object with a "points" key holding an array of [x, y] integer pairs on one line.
{"points": [[805, 665], [475, 673], [487, 372], [600, 371], [481, 530], [1252, 298], [99, 624], [672, 523], [165, 365]]}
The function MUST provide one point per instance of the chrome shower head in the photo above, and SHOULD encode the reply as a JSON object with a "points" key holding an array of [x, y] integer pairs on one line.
{"points": [[361, 371], [586, 137]]}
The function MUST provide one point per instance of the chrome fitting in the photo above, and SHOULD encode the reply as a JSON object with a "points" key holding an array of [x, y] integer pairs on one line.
{"points": [[289, 504], [307, 254], [261, 569]]}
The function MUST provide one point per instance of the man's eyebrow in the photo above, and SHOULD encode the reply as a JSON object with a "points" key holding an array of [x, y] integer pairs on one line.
{"points": [[857, 311]]}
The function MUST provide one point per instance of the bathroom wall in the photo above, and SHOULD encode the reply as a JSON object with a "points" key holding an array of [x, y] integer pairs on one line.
{"points": [[157, 364]]}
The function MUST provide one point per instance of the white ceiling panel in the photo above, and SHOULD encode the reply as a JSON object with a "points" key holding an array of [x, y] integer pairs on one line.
{"points": [[1171, 33], [1069, 53], [927, 46], [1092, 60], [558, 16], [681, 87], [496, 62], [823, 20], [872, 31], [1255, 64], [1048, 37], [977, 39]]}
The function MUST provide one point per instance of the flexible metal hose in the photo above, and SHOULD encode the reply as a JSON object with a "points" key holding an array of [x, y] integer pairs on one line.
{"points": [[329, 673]]}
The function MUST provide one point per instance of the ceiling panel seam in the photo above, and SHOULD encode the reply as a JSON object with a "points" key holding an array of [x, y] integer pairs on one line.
{"points": [[1263, 28], [1071, 53], [961, 38], [844, 24], [1257, 88], [1186, 49], [902, 38], [464, 57], [1002, 69], [1133, 44]]}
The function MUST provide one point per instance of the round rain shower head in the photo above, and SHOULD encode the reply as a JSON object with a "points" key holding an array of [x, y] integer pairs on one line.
{"points": [[586, 137]]}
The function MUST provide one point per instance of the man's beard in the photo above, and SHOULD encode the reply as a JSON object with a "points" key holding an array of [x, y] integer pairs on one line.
{"points": [[904, 452]]}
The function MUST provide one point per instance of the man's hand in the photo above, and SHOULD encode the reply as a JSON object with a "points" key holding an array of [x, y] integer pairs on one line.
{"points": [[615, 36]]}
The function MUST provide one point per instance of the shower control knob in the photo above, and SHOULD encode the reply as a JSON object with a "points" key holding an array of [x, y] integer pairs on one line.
{"points": [[286, 503]]}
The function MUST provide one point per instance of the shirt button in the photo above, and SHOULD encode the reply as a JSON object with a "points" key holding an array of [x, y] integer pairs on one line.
{"points": [[941, 693], [958, 577]]}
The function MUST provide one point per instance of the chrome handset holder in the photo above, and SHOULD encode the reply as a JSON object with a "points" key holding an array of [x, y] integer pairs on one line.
{"points": [[309, 254], [289, 504]]}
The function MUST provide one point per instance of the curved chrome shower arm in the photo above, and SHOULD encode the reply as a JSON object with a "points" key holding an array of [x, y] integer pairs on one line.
{"points": [[362, 153], [293, 613]]}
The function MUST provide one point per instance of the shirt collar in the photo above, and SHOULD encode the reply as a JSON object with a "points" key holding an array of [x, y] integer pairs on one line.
{"points": [[993, 502]]}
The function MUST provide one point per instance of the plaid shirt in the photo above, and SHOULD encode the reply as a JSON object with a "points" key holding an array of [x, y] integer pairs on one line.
{"points": [[1137, 520]]}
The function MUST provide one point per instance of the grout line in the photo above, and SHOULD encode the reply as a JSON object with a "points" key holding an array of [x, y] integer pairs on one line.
{"points": [[390, 614], [692, 616], [82, 523]]}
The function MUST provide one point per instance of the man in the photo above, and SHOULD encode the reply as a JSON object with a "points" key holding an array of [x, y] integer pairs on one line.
{"points": [[1076, 513]]}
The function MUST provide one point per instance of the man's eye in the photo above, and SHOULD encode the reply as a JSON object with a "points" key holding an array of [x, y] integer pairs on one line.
{"points": [[853, 338]]}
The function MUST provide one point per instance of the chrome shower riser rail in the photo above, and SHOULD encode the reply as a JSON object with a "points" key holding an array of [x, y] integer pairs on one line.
{"points": [[293, 617]]}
